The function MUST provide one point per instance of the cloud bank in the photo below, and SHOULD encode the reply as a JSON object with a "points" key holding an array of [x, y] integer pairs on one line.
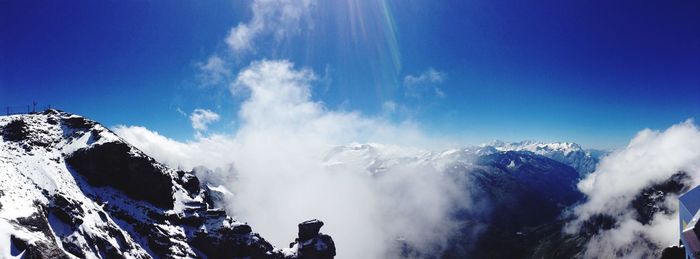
{"points": [[274, 165], [651, 157]]}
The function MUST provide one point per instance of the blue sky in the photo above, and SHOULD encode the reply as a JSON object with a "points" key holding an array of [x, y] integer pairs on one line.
{"points": [[593, 72]]}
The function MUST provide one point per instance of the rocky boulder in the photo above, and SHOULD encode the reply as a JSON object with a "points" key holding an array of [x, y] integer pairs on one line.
{"points": [[310, 243]]}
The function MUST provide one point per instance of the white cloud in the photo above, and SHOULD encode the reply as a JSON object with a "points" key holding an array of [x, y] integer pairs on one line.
{"points": [[389, 107], [210, 150], [429, 76], [201, 118], [240, 38], [650, 158], [277, 160], [213, 72], [277, 18], [181, 112], [428, 80]]}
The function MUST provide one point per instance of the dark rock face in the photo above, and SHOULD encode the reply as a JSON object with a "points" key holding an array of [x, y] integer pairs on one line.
{"points": [[39, 249], [110, 164], [78, 123], [67, 210], [235, 242], [16, 130], [309, 229], [673, 252], [311, 244], [189, 182]]}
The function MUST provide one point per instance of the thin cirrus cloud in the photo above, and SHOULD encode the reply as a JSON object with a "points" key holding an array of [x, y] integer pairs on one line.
{"points": [[423, 83], [270, 18], [213, 72]]}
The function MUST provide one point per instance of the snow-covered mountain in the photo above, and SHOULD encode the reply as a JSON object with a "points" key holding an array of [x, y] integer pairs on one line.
{"points": [[376, 158], [515, 192], [71, 188], [572, 154]]}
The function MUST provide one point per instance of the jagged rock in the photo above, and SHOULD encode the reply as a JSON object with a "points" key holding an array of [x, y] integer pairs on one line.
{"points": [[78, 122], [39, 250], [310, 243], [16, 130], [236, 241], [42, 248], [189, 181], [309, 229], [66, 209]]}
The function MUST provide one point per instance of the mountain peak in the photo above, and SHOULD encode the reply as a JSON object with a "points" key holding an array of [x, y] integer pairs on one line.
{"points": [[569, 153], [70, 187], [534, 146]]}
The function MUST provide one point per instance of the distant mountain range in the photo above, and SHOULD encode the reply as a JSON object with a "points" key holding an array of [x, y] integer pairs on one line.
{"points": [[572, 154], [526, 190], [519, 190], [377, 157]]}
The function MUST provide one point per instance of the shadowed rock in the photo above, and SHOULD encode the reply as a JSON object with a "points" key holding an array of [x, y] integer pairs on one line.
{"points": [[16, 130], [111, 164], [310, 243]]}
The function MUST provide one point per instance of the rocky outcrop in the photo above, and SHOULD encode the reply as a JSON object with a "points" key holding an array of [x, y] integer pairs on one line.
{"points": [[112, 164], [673, 252], [310, 243], [16, 130], [43, 248]]}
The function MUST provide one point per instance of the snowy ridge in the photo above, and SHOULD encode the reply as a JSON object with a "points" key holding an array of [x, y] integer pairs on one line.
{"points": [[537, 147], [71, 188], [32, 171], [568, 153], [377, 158]]}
